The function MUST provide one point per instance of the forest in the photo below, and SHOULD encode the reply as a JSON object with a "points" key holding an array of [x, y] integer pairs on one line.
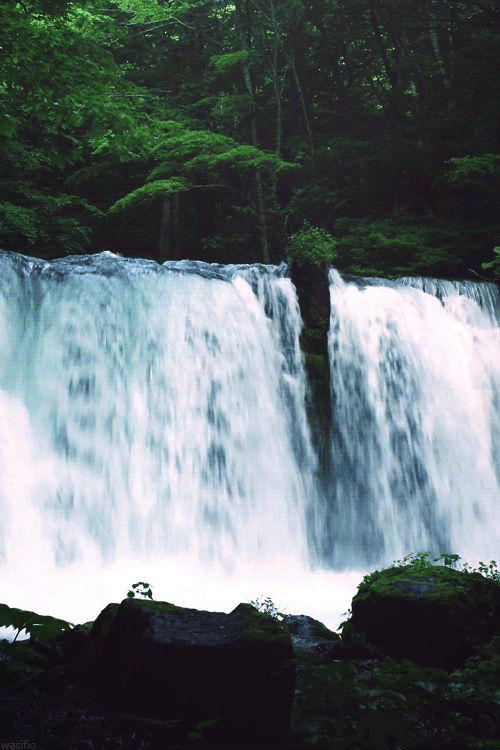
{"points": [[228, 131]]}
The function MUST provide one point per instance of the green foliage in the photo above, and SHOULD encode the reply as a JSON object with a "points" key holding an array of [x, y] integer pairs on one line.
{"points": [[267, 606], [140, 590], [50, 222], [63, 99], [494, 264], [162, 733], [40, 627], [420, 562], [311, 245], [222, 62], [185, 153], [201, 725], [345, 706], [473, 169], [144, 10], [398, 247], [401, 122], [150, 192], [487, 570], [242, 158], [20, 660]]}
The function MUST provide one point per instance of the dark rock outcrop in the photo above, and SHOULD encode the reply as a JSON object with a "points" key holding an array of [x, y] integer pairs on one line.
{"points": [[160, 662], [313, 293], [310, 635], [436, 617]]}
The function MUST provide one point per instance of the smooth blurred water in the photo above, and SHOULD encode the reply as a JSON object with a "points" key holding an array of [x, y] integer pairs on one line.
{"points": [[416, 452], [153, 427]]}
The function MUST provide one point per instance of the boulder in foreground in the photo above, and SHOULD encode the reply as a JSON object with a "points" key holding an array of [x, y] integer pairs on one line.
{"points": [[161, 662], [434, 616]]}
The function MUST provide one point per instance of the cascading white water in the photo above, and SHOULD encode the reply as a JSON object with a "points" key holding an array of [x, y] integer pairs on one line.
{"points": [[153, 427], [416, 452]]}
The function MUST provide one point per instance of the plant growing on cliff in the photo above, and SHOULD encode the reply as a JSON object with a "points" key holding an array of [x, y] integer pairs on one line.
{"points": [[421, 560], [141, 590], [311, 245], [268, 607], [494, 264]]}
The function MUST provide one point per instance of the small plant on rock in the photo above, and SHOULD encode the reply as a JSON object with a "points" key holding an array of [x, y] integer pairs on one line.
{"points": [[141, 590], [268, 607]]}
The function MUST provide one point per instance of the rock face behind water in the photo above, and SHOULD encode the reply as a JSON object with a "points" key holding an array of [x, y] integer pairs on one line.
{"points": [[161, 662], [435, 616]]}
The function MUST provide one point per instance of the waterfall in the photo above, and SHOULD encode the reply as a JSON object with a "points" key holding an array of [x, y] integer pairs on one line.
{"points": [[415, 445], [153, 427]]}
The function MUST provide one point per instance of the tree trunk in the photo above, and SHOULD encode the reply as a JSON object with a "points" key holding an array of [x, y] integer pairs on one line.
{"points": [[164, 241], [168, 244], [290, 58]]}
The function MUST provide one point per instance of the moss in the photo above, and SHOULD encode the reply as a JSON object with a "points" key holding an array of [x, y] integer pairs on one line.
{"points": [[319, 380], [102, 623], [436, 577], [321, 631], [317, 366], [314, 340], [262, 627], [466, 601]]}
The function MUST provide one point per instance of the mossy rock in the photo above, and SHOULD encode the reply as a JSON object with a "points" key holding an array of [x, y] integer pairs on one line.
{"points": [[162, 662], [261, 626], [309, 635], [434, 616]]}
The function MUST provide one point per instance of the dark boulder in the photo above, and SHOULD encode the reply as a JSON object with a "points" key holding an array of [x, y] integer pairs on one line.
{"points": [[436, 616], [310, 635], [161, 663]]}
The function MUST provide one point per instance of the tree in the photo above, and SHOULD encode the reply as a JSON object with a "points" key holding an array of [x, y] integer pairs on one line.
{"points": [[60, 103], [184, 155]]}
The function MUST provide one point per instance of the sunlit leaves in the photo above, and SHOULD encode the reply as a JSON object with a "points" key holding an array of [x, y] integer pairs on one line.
{"points": [[222, 62], [144, 10], [150, 192]]}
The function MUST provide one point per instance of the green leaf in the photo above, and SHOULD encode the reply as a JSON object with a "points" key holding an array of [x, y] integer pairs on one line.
{"points": [[40, 627]]}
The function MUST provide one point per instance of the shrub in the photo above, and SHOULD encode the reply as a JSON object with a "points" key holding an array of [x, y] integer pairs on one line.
{"points": [[313, 245]]}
